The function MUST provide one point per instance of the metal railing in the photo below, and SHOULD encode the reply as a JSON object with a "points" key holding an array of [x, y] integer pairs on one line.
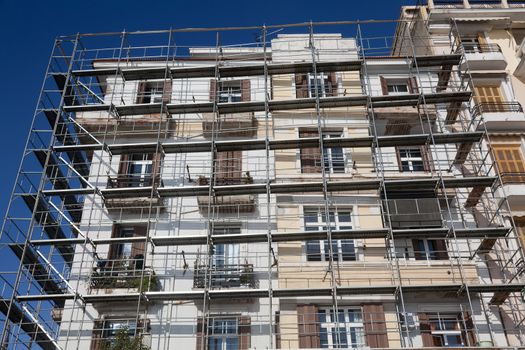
{"points": [[512, 178], [124, 273], [478, 48], [225, 276], [496, 107], [125, 181]]}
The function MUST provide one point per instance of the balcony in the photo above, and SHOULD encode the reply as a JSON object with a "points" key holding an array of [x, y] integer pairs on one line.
{"points": [[123, 274], [229, 125], [495, 113], [414, 213], [482, 57], [133, 203], [512, 184], [225, 276], [227, 204]]}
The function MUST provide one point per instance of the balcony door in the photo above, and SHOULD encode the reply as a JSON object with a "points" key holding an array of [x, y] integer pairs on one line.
{"points": [[489, 98], [226, 267], [509, 161]]}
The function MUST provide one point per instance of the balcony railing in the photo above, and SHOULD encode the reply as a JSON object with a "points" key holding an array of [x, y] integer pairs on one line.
{"points": [[125, 181], [414, 213], [124, 273], [478, 48], [496, 107], [225, 276], [246, 179], [512, 178]]}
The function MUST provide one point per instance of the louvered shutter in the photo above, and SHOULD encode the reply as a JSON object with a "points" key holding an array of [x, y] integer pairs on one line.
{"points": [[482, 41], [166, 91], [113, 248], [97, 335], [228, 167], [141, 92], [277, 330], [375, 325], [156, 168], [425, 157], [425, 329], [213, 90], [412, 85], [418, 254], [301, 86], [309, 328], [310, 156], [384, 85], [469, 334], [244, 333], [123, 179], [331, 84], [138, 247], [441, 249], [245, 90], [509, 162]]}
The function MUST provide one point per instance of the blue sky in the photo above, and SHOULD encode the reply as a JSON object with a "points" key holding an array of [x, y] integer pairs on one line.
{"points": [[27, 30]]}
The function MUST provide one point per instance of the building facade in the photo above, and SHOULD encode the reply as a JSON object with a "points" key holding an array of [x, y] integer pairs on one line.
{"points": [[306, 190]]}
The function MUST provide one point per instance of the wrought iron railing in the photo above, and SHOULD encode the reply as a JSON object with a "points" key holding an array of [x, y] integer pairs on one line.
{"points": [[467, 47], [123, 181], [225, 276], [124, 273], [496, 107]]}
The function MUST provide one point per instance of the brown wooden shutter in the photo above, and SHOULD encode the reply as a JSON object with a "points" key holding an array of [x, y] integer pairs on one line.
{"points": [[509, 162], [441, 249], [139, 247], [311, 156], [425, 329], [469, 334], [228, 167], [166, 91], [244, 333], [482, 41], [123, 176], [375, 325], [113, 248], [488, 94], [309, 328], [332, 84], [425, 157], [398, 157], [141, 92], [200, 335], [277, 329], [245, 90], [301, 86], [412, 85], [384, 85], [213, 90], [156, 168], [97, 335], [418, 254]]}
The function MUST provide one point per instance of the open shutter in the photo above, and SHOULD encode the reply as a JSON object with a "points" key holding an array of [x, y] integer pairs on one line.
{"points": [[301, 86], [331, 84], [441, 249], [375, 325], [97, 335], [482, 41], [141, 92], [311, 156], [156, 168], [213, 90], [425, 329], [425, 157], [309, 328], [228, 167], [469, 334], [244, 333], [384, 86], [245, 90], [418, 254], [398, 157], [138, 247], [115, 232], [277, 329], [123, 167], [200, 334], [166, 91], [412, 85]]}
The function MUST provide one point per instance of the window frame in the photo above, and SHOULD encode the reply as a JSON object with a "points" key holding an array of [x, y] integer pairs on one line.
{"points": [[140, 179], [226, 94], [403, 155], [322, 87], [223, 337], [320, 225], [395, 83], [153, 92], [443, 334], [328, 161], [349, 324]]}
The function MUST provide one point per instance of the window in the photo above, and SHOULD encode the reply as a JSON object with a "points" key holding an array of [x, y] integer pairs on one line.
{"points": [[347, 326], [398, 86], [230, 91], [446, 330], [306, 84], [226, 270], [127, 254], [509, 161], [137, 170], [222, 334], [397, 89], [118, 332], [318, 250], [471, 45], [228, 168], [154, 92], [489, 99], [430, 249], [321, 82], [334, 157], [411, 159]]}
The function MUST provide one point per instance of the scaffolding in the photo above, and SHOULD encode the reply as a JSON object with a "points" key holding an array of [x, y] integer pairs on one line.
{"points": [[243, 194]]}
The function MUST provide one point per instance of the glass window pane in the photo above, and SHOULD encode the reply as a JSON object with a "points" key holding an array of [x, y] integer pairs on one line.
{"points": [[313, 251], [345, 216]]}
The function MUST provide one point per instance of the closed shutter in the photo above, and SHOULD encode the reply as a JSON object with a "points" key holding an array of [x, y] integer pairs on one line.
{"points": [[141, 92], [418, 254], [311, 156], [309, 328], [384, 85], [491, 96], [97, 335], [166, 91], [412, 85], [425, 329], [228, 167], [200, 334], [301, 86], [331, 84], [509, 162], [245, 90], [375, 325], [469, 334], [244, 333], [138, 247], [213, 90], [441, 249]]}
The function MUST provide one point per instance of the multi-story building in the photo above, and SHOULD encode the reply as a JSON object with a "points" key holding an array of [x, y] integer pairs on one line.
{"points": [[307, 190]]}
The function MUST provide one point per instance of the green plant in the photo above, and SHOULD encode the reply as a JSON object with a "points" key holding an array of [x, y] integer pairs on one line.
{"points": [[246, 274], [123, 341]]}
